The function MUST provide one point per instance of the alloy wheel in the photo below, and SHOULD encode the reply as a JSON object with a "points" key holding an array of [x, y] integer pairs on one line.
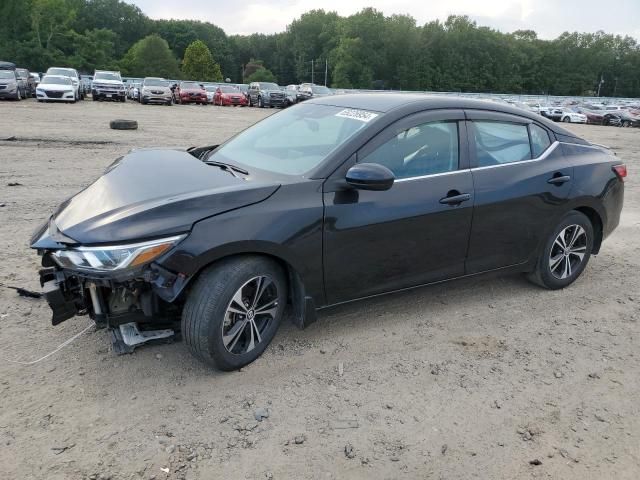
{"points": [[250, 312], [568, 251]]}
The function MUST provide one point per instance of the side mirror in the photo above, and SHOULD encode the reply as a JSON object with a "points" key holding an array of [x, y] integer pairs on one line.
{"points": [[370, 176]]}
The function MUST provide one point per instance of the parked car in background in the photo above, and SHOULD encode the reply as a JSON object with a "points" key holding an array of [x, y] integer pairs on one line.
{"points": [[36, 78], [108, 85], [211, 90], [621, 118], [331, 201], [571, 115], [191, 92], [594, 117], [266, 94], [56, 88], [133, 90], [156, 90], [25, 77], [310, 90], [10, 85], [86, 81], [244, 88], [226, 95], [72, 73], [291, 92]]}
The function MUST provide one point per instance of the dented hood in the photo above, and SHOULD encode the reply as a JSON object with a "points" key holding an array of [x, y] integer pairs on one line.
{"points": [[150, 194]]}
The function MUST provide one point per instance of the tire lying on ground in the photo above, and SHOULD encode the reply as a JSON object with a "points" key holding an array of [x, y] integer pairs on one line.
{"points": [[123, 124]]}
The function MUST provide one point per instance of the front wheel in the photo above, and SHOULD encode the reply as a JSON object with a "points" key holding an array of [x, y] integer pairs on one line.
{"points": [[566, 120], [234, 310], [566, 252], [260, 102]]}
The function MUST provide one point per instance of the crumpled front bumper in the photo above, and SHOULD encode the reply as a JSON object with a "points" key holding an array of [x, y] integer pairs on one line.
{"points": [[65, 299]]}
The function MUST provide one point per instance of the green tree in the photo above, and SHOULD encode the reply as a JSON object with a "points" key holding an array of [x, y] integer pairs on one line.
{"points": [[50, 18], [199, 65], [261, 75], [150, 57]]}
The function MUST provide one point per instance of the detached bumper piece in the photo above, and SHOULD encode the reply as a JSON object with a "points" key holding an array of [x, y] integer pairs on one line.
{"points": [[60, 295], [127, 337]]}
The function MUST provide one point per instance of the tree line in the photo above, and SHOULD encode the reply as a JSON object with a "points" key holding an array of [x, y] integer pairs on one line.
{"points": [[365, 50]]}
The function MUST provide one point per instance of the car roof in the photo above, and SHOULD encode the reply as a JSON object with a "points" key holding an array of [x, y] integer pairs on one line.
{"points": [[385, 102]]}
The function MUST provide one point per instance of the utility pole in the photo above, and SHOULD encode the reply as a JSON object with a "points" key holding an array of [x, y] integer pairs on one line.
{"points": [[311, 71], [326, 69], [601, 82]]}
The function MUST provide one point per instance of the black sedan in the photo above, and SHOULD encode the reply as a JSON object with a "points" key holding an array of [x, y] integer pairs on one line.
{"points": [[332, 200]]}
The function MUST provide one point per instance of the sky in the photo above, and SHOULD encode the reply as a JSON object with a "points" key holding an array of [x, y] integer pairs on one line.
{"points": [[547, 17]]}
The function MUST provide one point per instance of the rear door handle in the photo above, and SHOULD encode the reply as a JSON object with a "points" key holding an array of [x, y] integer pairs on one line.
{"points": [[559, 180], [456, 199]]}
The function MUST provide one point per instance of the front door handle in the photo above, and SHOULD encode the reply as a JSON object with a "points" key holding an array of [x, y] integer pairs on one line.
{"points": [[559, 180], [456, 199]]}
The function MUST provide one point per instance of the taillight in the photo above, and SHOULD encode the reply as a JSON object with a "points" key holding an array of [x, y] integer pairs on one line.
{"points": [[620, 171]]}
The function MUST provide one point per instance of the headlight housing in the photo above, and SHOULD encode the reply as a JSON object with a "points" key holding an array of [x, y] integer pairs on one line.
{"points": [[115, 257]]}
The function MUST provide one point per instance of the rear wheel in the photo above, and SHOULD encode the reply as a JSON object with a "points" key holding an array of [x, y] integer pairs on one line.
{"points": [[234, 310], [566, 120], [566, 253]]}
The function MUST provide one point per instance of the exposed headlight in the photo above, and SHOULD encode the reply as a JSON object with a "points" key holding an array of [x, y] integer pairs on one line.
{"points": [[115, 257]]}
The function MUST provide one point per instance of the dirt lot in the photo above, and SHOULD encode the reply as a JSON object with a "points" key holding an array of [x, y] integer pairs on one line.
{"points": [[481, 378]]}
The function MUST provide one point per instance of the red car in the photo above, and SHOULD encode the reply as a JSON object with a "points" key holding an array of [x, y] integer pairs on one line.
{"points": [[228, 95], [191, 92]]}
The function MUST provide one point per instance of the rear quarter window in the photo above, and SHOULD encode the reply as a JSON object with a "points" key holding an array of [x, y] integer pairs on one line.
{"points": [[540, 140]]}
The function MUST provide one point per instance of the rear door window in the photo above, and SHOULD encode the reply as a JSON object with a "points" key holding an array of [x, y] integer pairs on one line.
{"points": [[499, 143]]}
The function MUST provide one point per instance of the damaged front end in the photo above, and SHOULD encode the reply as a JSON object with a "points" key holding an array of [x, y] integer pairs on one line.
{"points": [[117, 286]]}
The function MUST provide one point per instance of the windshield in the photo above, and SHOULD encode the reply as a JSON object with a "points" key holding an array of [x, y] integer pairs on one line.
{"points": [[107, 76], [210, 88], [65, 72], [227, 89], [155, 82], [190, 85], [243, 88], [295, 140], [7, 74], [56, 80], [320, 90], [269, 86]]}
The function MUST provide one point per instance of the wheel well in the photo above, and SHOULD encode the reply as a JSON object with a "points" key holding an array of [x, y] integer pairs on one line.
{"points": [[596, 222], [296, 296]]}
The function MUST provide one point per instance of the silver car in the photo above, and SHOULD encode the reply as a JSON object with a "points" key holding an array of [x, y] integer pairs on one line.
{"points": [[156, 90]]}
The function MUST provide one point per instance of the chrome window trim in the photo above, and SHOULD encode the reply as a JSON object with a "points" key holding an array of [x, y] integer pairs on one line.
{"points": [[421, 177], [544, 155]]}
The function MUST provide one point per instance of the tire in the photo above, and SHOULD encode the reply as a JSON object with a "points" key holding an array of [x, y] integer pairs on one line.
{"points": [[566, 120], [207, 311], [123, 99], [250, 102], [123, 124], [567, 268], [260, 102], [626, 123], [18, 96], [94, 97]]}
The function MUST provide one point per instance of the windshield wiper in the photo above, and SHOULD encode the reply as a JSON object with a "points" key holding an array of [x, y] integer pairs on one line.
{"points": [[232, 169]]}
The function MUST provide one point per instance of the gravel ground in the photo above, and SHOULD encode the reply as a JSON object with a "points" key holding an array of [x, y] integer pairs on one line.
{"points": [[489, 378]]}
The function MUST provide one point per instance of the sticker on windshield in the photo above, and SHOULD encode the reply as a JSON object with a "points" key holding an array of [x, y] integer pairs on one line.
{"points": [[356, 114]]}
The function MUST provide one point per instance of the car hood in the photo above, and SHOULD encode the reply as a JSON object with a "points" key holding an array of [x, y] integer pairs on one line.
{"points": [[108, 82], [149, 194], [54, 87]]}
